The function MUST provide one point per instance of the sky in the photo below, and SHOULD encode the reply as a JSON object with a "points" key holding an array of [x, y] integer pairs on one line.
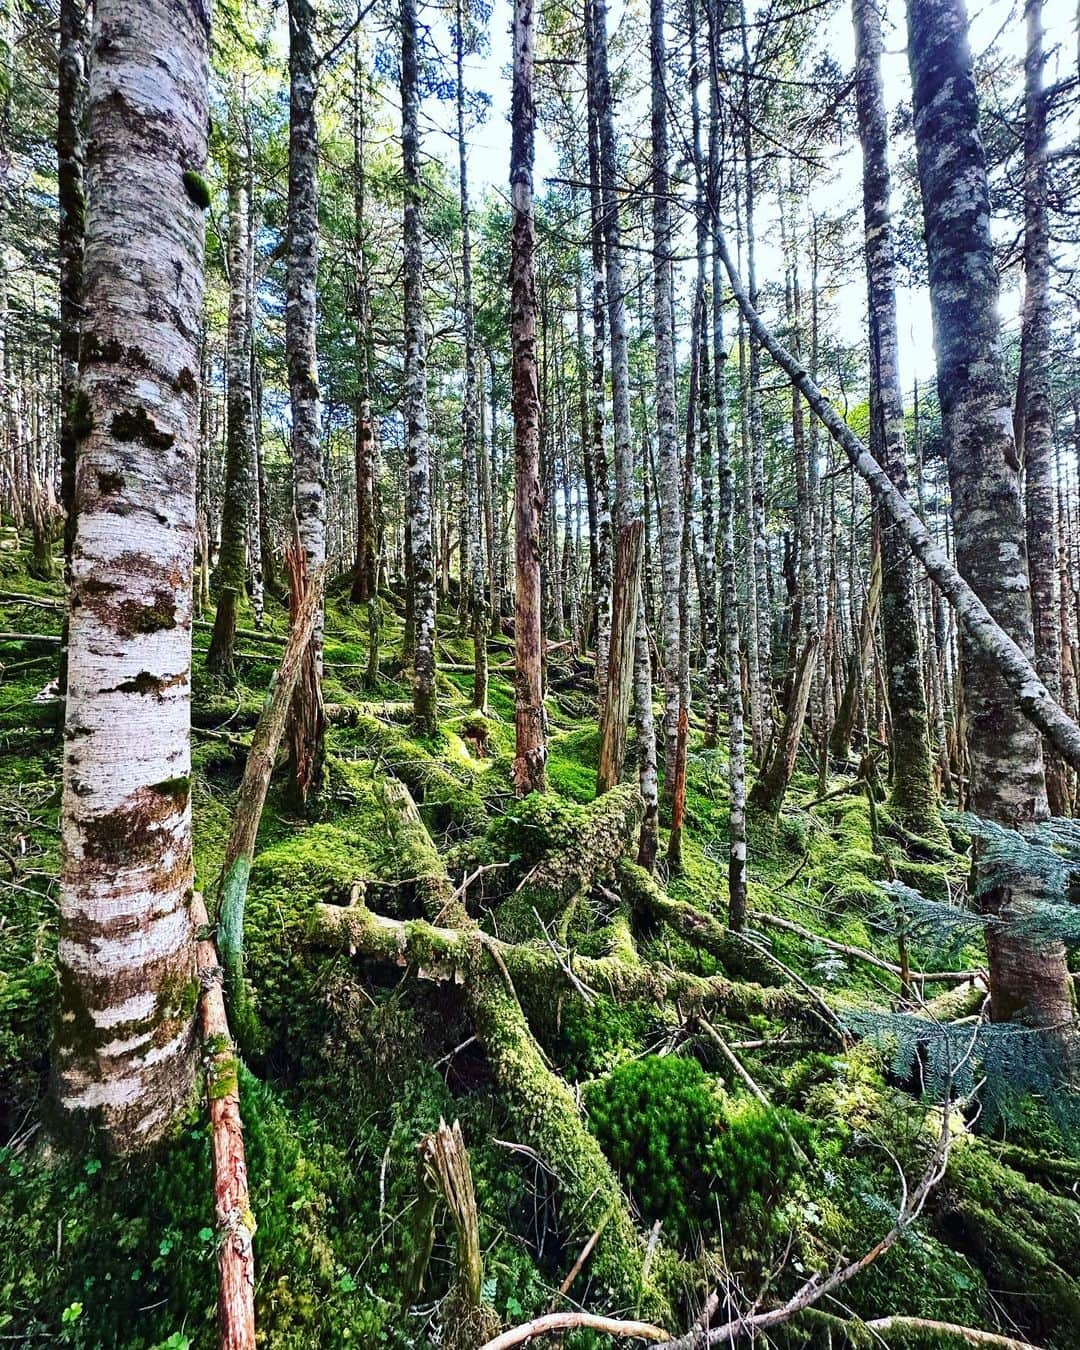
{"points": [[837, 193]]}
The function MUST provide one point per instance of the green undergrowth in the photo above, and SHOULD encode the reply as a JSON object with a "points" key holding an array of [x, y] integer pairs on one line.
{"points": [[355, 1064]]}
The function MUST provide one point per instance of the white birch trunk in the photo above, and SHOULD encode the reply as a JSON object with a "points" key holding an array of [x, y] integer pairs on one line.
{"points": [[124, 1055]]}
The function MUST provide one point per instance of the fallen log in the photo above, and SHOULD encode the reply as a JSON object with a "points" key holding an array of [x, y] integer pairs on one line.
{"points": [[232, 1209], [240, 848], [422, 860], [539, 974], [703, 930], [487, 971], [610, 829]]}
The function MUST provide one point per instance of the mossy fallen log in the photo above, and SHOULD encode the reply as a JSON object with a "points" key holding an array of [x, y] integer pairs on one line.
{"points": [[431, 785], [423, 862], [647, 897], [536, 1098], [608, 830]]}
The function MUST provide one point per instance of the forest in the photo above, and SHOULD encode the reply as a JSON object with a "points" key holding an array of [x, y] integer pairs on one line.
{"points": [[539, 666]]}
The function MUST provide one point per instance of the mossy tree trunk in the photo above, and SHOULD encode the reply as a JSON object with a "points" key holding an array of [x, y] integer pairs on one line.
{"points": [[530, 735], [419, 543], [1035, 430], [364, 580], [302, 272], [124, 1052], [1028, 976], [230, 574], [913, 795]]}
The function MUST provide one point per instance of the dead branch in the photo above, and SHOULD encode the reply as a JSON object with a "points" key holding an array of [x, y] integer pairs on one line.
{"points": [[572, 1321], [232, 1209]]}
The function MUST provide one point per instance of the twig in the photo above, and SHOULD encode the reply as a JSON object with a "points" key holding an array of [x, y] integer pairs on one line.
{"points": [[586, 1252]]}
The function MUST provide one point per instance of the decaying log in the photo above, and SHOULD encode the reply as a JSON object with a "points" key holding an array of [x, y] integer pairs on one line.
{"points": [[648, 897], [445, 1173], [348, 714], [488, 972], [232, 1209], [539, 975], [250, 799], [610, 829], [423, 862], [424, 775]]}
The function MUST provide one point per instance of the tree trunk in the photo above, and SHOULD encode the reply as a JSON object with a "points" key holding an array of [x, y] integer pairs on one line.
{"points": [[71, 200], [627, 520], [364, 581], [1028, 976], [232, 1206], [230, 576], [251, 795], [646, 738], [302, 268], [124, 1058], [1035, 430], [620, 672], [421, 557], [530, 742], [913, 796], [767, 794], [70, 156], [669, 467]]}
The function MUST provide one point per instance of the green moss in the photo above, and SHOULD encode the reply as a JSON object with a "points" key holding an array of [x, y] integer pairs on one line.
{"points": [[81, 415], [137, 425], [178, 789], [197, 188]]}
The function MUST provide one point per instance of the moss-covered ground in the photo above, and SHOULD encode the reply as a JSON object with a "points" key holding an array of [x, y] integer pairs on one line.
{"points": [[355, 1063]]}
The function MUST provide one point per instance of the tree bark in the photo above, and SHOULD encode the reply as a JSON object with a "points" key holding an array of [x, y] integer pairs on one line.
{"points": [[70, 157], [365, 580], [230, 575], [232, 1206], [913, 795], [668, 467], [627, 569], [530, 741], [620, 670], [1027, 976], [1035, 431], [124, 1057], [421, 556], [302, 269]]}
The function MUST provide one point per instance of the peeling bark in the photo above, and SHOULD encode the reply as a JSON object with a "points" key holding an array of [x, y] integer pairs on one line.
{"points": [[124, 1055]]}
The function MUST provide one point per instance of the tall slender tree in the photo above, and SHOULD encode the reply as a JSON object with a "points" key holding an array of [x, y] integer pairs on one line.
{"points": [[669, 476], [240, 482], [1034, 420], [419, 542], [124, 1057], [530, 739], [307, 721], [913, 793]]}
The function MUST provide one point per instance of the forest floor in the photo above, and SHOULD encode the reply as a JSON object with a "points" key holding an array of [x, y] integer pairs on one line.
{"points": [[587, 1045]]}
